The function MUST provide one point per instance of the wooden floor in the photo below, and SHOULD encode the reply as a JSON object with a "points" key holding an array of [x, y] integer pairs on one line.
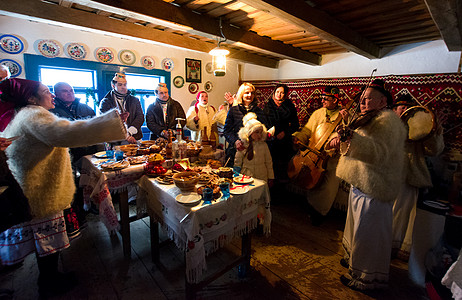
{"points": [[298, 261]]}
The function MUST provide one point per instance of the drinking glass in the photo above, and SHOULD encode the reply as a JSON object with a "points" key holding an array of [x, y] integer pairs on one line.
{"points": [[224, 187], [207, 194], [110, 154]]}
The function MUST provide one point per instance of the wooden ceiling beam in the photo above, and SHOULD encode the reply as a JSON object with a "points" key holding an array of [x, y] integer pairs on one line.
{"points": [[319, 23], [447, 15], [204, 25], [52, 13]]}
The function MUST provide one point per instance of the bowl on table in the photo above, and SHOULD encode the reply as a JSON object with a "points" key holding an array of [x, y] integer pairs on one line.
{"points": [[186, 181]]}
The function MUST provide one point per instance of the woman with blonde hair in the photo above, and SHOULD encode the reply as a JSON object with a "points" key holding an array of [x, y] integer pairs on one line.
{"points": [[245, 99]]}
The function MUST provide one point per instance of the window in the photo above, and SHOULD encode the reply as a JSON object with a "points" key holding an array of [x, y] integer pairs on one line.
{"points": [[80, 80]]}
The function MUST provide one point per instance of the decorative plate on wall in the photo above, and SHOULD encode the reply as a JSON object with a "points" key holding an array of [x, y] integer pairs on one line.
{"points": [[104, 54], [178, 81], [76, 51], [127, 57], [209, 68], [11, 44], [49, 48], [148, 62], [193, 87], [14, 67], [208, 86], [167, 64]]}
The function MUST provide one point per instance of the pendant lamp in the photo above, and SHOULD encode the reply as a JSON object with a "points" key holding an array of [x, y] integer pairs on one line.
{"points": [[219, 56]]}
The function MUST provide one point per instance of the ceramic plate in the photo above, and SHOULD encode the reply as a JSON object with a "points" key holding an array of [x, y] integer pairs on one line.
{"points": [[193, 88], [167, 64], [209, 68], [127, 57], [208, 86], [101, 154], [239, 189], [15, 67], [148, 62], [104, 54], [11, 44], [76, 51], [243, 179], [49, 48], [178, 81], [192, 198], [114, 165]]}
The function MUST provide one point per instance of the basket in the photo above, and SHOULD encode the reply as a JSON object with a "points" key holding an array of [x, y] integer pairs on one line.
{"points": [[186, 185]]}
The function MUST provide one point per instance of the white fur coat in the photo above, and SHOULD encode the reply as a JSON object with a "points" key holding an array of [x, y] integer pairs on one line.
{"points": [[39, 159], [374, 161], [206, 119]]}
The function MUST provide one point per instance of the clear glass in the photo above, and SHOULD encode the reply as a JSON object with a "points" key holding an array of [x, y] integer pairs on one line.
{"points": [[76, 78]]}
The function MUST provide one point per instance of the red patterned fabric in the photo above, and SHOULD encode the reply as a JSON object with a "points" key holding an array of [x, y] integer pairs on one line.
{"points": [[439, 92]]}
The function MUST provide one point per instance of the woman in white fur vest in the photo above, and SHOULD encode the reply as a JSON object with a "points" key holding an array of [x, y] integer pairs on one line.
{"points": [[200, 116], [39, 160], [372, 162], [255, 160]]}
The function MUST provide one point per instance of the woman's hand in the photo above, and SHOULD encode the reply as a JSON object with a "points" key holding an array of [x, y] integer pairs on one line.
{"points": [[280, 135], [196, 119], [239, 145], [230, 98], [124, 116], [4, 143]]}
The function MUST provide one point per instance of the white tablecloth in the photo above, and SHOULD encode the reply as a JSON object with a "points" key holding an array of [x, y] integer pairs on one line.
{"points": [[200, 232], [98, 185]]}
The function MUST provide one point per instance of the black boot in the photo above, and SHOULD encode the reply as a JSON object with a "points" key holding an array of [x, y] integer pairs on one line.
{"points": [[50, 281]]}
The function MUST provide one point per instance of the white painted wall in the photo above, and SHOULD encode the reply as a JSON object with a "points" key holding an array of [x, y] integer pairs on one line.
{"points": [[32, 31], [420, 58]]}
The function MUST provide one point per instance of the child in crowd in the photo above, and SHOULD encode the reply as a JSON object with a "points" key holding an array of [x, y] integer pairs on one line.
{"points": [[200, 116], [255, 160]]}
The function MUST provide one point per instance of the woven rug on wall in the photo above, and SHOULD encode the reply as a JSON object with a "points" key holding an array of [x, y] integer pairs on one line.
{"points": [[440, 92]]}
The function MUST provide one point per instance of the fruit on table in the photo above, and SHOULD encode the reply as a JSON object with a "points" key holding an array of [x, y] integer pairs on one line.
{"points": [[178, 167]]}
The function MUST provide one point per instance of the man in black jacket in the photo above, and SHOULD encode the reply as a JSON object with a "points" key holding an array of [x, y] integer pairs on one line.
{"points": [[119, 97], [161, 115]]}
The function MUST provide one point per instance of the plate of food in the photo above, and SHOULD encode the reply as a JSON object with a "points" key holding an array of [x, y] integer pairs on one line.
{"points": [[239, 189], [136, 160], [101, 154], [243, 179], [191, 198], [114, 165], [164, 179]]}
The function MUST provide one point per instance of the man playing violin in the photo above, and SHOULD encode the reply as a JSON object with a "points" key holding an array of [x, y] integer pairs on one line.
{"points": [[372, 162], [323, 195], [417, 177]]}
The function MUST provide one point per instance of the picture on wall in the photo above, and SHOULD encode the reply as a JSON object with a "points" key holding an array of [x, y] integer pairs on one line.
{"points": [[193, 70]]}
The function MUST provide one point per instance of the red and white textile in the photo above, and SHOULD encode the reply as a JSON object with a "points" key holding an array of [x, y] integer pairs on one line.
{"points": [[202, 230]]}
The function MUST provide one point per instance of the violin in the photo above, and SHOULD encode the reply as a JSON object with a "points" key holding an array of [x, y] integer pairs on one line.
{"points": [[359, 121]]}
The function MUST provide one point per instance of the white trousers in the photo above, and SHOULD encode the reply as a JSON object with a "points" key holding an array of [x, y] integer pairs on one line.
{"points": [[404, 210]]}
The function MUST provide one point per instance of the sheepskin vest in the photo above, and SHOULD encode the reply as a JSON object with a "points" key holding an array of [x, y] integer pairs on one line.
{"points": [[205, 120], [39, 159], [375, 158]]}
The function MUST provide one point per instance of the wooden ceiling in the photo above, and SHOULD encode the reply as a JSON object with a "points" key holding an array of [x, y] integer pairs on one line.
{"points": [[263, 32]]}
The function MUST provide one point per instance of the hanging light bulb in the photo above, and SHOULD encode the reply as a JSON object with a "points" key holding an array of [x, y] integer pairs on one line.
{"points": [[219, 56], [219, 60]]}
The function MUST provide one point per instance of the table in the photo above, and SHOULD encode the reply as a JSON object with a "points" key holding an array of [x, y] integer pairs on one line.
{"points": [[97, 188], [201, 230]]}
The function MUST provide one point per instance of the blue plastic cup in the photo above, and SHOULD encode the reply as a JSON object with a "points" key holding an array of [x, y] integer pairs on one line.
{"points": [[224, 187], [110, 154], [207, 194]]}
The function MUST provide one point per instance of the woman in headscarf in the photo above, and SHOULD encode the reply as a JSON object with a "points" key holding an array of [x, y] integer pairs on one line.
{"points": [[201, 116], [282, 115], [246, 103], [39, 160]]}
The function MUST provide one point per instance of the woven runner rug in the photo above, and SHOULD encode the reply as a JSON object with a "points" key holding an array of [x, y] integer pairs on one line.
{"points": [[439, 92]]}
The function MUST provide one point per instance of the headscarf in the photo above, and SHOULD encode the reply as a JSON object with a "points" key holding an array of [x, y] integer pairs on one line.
{"points": [[14, 93]]}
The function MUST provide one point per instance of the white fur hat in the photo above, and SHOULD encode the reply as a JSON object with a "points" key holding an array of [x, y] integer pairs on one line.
{"points": [[250, 125]]}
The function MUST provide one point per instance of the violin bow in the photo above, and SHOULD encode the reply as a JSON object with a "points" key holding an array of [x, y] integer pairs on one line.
{"points": [[362, 95]]}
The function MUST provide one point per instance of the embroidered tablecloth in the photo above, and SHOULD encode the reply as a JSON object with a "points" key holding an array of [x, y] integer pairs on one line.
{"points": [[98, 185], [201, 230]]}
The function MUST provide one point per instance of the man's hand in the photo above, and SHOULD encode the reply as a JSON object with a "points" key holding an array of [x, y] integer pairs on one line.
{"points": [[345, 114], [239, 145], [333, 144], [280, 135]]}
